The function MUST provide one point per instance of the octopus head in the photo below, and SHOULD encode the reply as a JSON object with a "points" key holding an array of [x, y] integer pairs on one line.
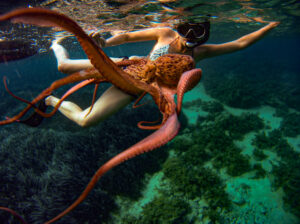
{"points": [[170, 67]]}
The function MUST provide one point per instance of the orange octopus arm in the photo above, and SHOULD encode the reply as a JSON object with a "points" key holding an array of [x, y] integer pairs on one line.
{"points": [[76, 77], [13, 95], [15, 214], [160, 137], [187, 82], [49, 18]]}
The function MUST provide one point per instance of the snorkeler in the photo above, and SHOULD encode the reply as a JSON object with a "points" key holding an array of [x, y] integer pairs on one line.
{"points": [[188, 38]]}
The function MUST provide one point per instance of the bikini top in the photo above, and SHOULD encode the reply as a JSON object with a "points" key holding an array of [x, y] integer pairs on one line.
{"points": [[159, 52], [162, 51]]}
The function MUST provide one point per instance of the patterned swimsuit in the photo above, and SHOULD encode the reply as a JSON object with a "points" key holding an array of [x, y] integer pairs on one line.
{"points": [[159, 52]]}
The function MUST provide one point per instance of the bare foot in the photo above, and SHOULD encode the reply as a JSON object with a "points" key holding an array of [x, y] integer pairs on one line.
{"points": [[261, 20], [51, 101], [59, 36]]}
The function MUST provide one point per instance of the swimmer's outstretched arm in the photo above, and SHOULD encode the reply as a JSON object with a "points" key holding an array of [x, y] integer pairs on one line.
{"points": [[211, 50], [161, 34]]}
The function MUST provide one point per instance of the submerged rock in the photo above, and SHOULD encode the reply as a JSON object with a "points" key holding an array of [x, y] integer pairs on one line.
{"points": [[11, 50]]}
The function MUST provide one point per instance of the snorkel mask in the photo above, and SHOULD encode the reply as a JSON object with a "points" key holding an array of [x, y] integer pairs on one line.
{"points": [[195, 33]]}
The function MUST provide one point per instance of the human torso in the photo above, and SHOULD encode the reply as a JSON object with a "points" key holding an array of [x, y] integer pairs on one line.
{"points": [[168, 47], [165, 61], [159, 51]]}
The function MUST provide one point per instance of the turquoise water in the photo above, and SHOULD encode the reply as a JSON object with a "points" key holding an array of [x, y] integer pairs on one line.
{"points": [[235, 160]]}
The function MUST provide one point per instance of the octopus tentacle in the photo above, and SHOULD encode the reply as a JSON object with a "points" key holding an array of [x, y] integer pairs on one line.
{"points": [[76, 77], [153, 127], [68, 93], [75, 88], [140, 124], [93, 100], [15, 214], [49, 18], [127, 62], [13, 95], [138, 100], [160, 137], [161, 86], [187, 81]]}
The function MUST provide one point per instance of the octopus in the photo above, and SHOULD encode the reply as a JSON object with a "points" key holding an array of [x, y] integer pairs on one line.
{"points": [[163, 78]]}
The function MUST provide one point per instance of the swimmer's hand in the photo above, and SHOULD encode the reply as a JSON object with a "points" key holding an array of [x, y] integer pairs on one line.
{"points": [[274, 24], [98, 39]]}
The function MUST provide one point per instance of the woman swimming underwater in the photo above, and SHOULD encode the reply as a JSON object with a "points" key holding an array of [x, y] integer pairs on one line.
{"points": [[189, 38]]}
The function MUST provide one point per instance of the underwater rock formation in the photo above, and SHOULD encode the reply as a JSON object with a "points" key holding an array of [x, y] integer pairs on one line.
{"points": [[11, 50]]}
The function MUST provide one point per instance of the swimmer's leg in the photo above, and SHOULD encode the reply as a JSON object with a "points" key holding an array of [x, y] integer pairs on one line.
{"points": [[66, 65], [111, 101]]}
